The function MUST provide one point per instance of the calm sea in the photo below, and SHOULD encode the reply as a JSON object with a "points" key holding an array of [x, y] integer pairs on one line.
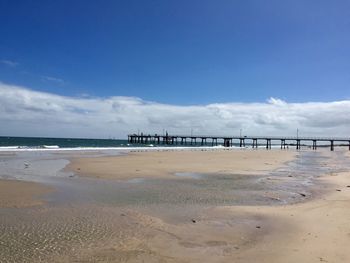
{"points": [[37, 142], [56, 143]]}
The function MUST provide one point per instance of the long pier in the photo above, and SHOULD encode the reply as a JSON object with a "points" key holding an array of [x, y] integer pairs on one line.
{"points": [[229, 141]]}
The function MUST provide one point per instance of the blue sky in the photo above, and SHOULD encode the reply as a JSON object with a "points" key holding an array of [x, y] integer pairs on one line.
{"points": [[100, 69], [179, 52]]}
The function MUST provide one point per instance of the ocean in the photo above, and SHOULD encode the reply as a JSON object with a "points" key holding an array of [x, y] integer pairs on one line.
{"points": [[52, 143], [71, 143]]}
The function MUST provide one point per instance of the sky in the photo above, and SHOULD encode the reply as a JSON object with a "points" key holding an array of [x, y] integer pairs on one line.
{"points": [[107, 68]]}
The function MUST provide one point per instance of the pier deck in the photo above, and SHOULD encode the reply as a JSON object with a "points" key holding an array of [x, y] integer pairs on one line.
{"points": [[229, 141]]}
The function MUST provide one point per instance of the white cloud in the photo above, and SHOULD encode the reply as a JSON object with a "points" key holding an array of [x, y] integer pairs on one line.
{"points": [[9, 63], [25, 112], [276, 101], [53, 79]]}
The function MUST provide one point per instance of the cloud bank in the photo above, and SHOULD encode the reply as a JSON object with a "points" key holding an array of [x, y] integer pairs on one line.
{"points": [[25, 112]]}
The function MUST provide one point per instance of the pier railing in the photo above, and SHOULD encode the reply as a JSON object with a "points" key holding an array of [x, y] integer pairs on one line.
{"points": [[241, 141]]}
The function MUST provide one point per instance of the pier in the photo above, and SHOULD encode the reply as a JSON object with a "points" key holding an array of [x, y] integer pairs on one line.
{"points": [[241, 141]]}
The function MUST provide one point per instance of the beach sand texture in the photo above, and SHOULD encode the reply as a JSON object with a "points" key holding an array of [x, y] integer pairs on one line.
{"points": [[315, 230], [21, 194], [166, 164]]}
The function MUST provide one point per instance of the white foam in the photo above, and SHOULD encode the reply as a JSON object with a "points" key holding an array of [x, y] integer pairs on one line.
{"points": [[51, 146], [8, 147], [154, 148]]}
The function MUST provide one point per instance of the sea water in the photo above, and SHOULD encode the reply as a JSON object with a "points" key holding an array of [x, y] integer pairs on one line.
{"points": [[32, 143], [52, 143]]}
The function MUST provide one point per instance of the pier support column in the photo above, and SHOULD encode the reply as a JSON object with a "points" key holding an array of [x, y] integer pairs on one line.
{"points": [[298, 144], [314, 145], [283, 144], [332, 145], [226, 142], [255, 143], [268, 144]]}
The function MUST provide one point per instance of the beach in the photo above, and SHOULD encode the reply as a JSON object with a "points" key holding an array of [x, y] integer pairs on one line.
{"points": [[165, 164], [168, 205], [21, 194]]}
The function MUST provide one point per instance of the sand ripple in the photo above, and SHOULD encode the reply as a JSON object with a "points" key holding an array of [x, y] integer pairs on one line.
{"points": [[37, 235]]}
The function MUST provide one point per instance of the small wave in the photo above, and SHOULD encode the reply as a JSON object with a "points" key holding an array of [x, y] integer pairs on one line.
{"points": [[218, 146], [50, 147], [9, 147]]}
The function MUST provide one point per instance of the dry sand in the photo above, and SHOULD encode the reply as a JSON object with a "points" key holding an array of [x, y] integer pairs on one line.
{"points": [[165, 164], [21, 194]]}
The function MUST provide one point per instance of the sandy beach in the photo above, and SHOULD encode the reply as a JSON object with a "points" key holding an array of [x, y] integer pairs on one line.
{"points": [[249, 206], [314, 231], [21, 194], [165, 164]]}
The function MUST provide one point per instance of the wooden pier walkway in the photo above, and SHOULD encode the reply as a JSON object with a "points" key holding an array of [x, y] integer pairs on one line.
{"points": [[241, 141]]}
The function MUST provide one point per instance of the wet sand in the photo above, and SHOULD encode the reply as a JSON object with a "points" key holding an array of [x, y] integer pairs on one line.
{"points": [[283, 207], [314, 231], [21, 194]]}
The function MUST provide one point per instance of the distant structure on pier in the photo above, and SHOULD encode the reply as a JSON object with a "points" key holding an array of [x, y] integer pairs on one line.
{"points": [[241, 141]]}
